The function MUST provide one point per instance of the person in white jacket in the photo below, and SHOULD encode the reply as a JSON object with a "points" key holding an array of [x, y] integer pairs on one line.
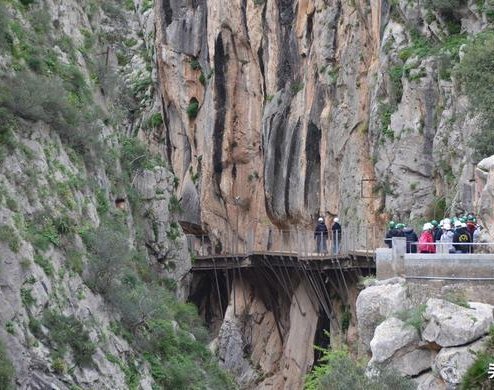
{"points": [[446, 239]]}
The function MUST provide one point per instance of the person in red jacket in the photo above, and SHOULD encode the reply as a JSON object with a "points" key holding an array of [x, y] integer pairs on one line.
{"points": [[426, 240]]}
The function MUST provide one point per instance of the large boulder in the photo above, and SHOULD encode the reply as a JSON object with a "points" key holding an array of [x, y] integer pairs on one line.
{"points": [[378, 302], [453, 363], [414, 362], [391, 336], [451, 325], [396, 346], [429, 381]]}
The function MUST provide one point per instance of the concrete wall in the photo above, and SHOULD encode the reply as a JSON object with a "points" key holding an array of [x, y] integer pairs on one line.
{"points": [[438, 275], [437, 266]]}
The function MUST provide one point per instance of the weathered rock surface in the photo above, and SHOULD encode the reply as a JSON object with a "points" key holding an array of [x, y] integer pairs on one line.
{"points": [[452, 363], [389, 337], [251, 333], [452, 325], [429, 381], [375, 304]]}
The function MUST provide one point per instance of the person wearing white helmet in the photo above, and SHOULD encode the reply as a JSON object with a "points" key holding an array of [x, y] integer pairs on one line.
{"points": [[462, 239], [447, 240], [336, 229], [321, 236]]}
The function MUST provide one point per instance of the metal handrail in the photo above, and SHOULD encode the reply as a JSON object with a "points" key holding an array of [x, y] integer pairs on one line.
{"points": [[302, 242]]}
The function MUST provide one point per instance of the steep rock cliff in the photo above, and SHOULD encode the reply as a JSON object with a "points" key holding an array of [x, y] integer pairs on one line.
{"points": [[277, 111]]}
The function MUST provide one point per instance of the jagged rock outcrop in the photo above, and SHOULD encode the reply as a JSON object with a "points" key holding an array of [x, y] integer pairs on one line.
{"points": [[286, 111], [452, 363], [449, 325], [437, 335], [376, 303], [261, 349]]}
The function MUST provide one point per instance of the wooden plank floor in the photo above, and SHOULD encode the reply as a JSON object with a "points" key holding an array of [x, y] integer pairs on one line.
{"points": [[351, 260]]}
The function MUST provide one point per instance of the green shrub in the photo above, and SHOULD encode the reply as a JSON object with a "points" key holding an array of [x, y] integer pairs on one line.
{"points": [[296, 87], [477, 376], [457, 297], [109, 250], [102, 202], [338, 371], [10, 237], [44, 263], [413, 317], [385, 112], [395, 75], [155, 120], [69, 332], [59, 366], [193, 108], [26, 297], [10, 327], [174, 205], [74, 261], [7, 372], [476, 75], [194, 64], [135, 156]]}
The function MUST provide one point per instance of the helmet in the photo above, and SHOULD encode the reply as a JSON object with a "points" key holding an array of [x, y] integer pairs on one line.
{"points": [[447, 226], [470, 218], [336, 219], [391, 224], [463, 219], [320, 219], [426, 226], [400, 225], [457, 224], [447, 221], [434, 223]]}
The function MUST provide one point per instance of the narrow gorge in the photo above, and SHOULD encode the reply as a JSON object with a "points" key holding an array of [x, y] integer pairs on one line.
{"points": [[133, 132]]}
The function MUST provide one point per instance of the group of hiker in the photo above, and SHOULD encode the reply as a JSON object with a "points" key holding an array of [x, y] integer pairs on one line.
{"points": [[321, 235], [450, 235]]}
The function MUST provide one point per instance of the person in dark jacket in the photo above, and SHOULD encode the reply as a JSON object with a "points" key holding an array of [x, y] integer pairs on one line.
{"points": [[390, 234], [321, 236], [395, 230], [336, 229], [436, 231], [411, 238], [462, 238]]}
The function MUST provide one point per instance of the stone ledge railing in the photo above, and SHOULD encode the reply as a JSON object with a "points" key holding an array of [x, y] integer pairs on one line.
{"points": [[435, 266]]}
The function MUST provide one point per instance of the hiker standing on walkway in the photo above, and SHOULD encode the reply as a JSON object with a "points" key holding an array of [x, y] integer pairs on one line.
{"points": [[461, 239], [426, 240], [411, 238], [336, 228], [321, 236]]}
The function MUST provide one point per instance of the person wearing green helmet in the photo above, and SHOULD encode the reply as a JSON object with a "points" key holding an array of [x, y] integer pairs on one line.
{"points": [[436, 230], [394, 231]]}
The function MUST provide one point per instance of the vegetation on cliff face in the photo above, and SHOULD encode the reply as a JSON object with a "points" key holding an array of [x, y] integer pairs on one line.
{"points": [[476, 74], [81, 89], [477, 376], [339, 371]]}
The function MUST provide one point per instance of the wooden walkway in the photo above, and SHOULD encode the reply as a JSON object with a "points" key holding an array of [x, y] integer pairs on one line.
{"points": [[350, 260]]}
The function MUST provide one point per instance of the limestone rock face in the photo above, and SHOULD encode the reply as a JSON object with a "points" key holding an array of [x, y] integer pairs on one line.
{"points": [[389, 337], [254, 342], [376, 303], [308, 107], [166, 243], [452, 325], [452, 363], [429, 381], [450, 336], [484, 177]]}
